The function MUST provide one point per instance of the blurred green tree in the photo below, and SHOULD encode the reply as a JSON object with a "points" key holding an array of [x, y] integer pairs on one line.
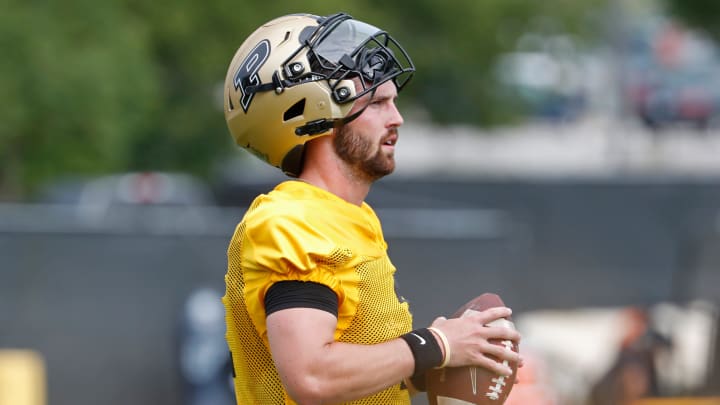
{"points": [[78, 81], [96, 87], [703, 14]]}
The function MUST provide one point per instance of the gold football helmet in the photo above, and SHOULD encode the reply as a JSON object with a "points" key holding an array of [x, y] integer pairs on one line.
{"points": [[292, 81]]}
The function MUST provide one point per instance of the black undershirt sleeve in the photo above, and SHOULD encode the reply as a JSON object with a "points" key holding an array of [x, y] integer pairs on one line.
{"points": [[300, 294]]}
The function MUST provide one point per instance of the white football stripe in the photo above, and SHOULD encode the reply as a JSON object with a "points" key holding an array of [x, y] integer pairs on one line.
{"points": [[441, 400]]}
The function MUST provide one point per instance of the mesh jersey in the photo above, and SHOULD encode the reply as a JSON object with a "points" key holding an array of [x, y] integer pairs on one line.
{"points": [[301, 232]]}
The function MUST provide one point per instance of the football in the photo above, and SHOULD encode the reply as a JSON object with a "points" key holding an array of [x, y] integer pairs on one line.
{"points": [[472, 385]]}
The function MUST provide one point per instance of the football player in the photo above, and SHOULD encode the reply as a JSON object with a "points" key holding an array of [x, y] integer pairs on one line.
{"points": [[311, 311]]}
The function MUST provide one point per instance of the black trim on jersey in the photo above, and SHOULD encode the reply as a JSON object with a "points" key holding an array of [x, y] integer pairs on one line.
{"points": [[300, 294]]}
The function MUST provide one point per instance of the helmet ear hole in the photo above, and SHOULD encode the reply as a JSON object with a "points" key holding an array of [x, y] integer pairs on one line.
{"points": [[295, 110]]}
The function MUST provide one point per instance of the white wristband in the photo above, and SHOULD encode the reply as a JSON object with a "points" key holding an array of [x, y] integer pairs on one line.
{"points": [[446, 345]]}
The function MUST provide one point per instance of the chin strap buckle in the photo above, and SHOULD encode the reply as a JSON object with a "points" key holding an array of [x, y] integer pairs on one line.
{"points": [[315, 127]]}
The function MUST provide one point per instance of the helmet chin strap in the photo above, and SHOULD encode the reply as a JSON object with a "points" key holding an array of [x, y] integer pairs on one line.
{"points": [[323, 125]]}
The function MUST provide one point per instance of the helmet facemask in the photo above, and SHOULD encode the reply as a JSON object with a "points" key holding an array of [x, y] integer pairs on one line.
{"points": [[339, 50], [348, 48]]}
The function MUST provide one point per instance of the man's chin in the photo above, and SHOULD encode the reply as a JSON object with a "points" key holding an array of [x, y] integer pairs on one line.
{"points": [[380, 173]]}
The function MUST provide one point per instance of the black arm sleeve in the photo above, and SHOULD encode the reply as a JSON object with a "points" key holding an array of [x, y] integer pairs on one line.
{"points": [[300, 294]]}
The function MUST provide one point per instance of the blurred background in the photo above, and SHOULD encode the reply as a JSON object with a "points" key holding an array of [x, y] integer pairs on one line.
{"points": [[563, 154]]}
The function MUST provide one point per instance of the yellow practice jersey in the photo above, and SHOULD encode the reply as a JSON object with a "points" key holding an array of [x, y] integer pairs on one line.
{"points": [[301, 232]]}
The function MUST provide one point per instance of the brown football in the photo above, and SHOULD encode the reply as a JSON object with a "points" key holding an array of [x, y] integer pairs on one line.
{"points": [[472, 385]]}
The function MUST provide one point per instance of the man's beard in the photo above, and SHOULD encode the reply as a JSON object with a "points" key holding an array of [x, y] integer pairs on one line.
{"points": [[357, 152]]}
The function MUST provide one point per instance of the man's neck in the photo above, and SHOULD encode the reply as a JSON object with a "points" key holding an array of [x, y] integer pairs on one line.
{"points": [[343, 185], [323, 168]]}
